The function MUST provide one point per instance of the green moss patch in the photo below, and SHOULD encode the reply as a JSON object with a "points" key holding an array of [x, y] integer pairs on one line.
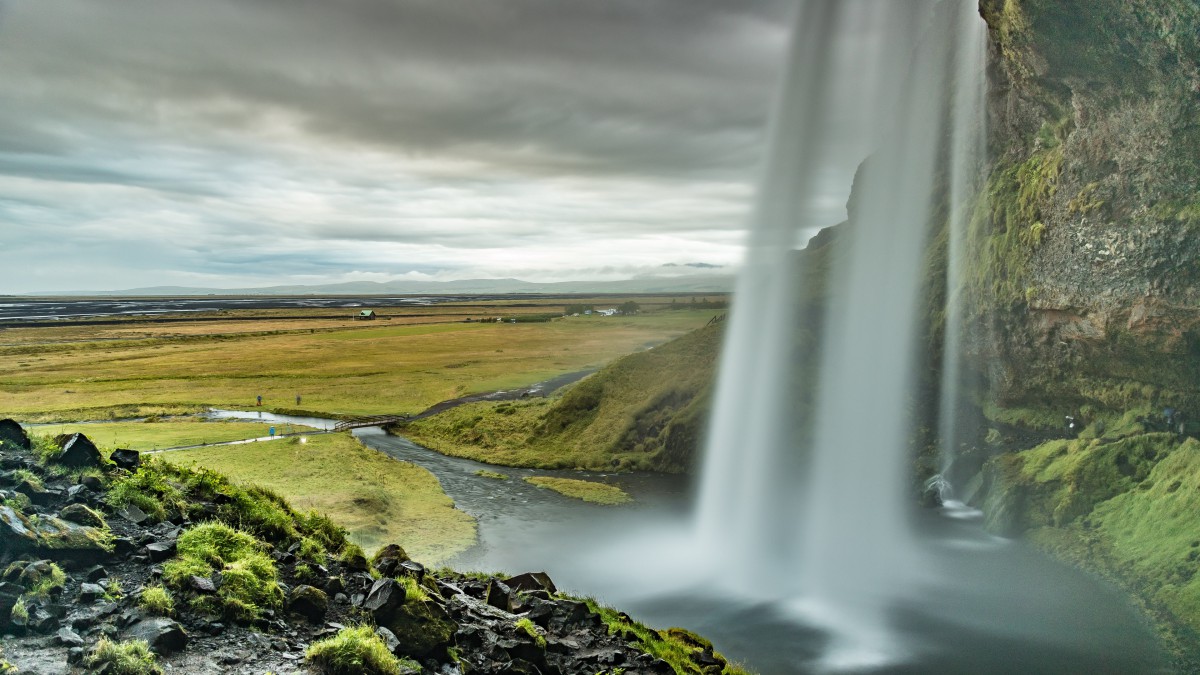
{"points": [[678, 647], [249, 580], [355, 650], [1151, 533], [157, 600], [588, 491], [132, 657]]}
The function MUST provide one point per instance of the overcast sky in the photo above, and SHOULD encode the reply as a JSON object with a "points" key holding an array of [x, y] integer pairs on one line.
{"points": [[225, 143]]}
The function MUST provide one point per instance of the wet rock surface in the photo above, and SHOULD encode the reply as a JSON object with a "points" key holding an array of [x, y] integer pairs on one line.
{"points": [[445, 622]]}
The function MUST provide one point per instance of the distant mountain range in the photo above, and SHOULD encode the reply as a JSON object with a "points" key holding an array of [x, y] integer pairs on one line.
{"points": [[699, 283]]}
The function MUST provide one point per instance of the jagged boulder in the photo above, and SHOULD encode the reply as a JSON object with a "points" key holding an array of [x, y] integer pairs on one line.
{"points": [[16, 532], [423, 632], [78, 452], [36, 492], [129, 460], [9, 592], [12, 433], [499, 595], [384, 599], [163, 635], [532, 581]]}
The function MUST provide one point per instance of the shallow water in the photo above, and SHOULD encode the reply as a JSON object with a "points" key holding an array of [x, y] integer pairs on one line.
{"points": [[984, 604], [322, 423]]}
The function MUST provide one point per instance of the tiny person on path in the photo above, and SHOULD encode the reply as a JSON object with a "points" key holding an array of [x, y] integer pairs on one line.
{"points": [[260, 399], [297, 399]]}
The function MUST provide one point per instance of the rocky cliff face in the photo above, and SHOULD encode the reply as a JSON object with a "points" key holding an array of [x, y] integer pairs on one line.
{"points": [[1087, 247], [1085, 295]]}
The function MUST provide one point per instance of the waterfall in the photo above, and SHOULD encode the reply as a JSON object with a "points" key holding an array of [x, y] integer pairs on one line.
{"points": [[968, 151], [815, 507]]}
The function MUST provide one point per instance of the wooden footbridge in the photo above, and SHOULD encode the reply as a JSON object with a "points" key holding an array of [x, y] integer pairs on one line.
{"points": [[369, 421]]}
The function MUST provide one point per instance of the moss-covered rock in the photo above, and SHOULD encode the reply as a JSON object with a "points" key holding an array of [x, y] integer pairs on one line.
{"points": [[423, 629]]}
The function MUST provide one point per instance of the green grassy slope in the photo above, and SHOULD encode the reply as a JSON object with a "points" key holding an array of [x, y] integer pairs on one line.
{"points": [[643, 411]]}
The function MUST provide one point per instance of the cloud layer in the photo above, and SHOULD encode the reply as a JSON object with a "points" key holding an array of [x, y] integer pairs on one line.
{"points": [[245, 142]]}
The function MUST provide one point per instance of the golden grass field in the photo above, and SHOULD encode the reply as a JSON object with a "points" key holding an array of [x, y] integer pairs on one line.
{"points": [[52, 374], [155, 435], [398, 364], [376, 498]]}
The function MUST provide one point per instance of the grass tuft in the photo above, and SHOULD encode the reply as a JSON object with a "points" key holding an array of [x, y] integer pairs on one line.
{"points": [[249, 579], [132, 657], [157, 600], [526, 625], [355, 650]]}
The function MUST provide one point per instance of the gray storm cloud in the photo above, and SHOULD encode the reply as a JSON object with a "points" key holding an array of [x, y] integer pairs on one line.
{"points": [[149, 142]]}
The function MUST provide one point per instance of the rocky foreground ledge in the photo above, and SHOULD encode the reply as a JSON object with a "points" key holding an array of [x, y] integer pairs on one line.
{"points": [[122, 566]]}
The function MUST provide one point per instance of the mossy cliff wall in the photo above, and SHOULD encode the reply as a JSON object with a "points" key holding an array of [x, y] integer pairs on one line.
{"points": [[1084, 293], [1086, 274]]}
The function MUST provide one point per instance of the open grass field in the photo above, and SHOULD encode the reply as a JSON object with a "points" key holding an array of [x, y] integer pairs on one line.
{"points": [[377, 499], [153, 435], [71, 373]]}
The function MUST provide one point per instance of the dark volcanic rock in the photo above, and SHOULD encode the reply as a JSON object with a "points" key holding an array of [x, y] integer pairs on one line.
{"points": [[202, 585], [163, 635], [69, 638], [384, 599], [11, 432], [95, 574], [37, 494], [9, 593], [499, 595], [412, 568], [40, 620], [16, 532], [133, 514], [389, 638], [89, 593], [79, 452], [531, 581], [389, 559], [309, 602], [160, 550], [126, 459]]}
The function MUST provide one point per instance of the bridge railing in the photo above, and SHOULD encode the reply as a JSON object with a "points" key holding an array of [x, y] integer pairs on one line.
{"points": [[373, 421]]}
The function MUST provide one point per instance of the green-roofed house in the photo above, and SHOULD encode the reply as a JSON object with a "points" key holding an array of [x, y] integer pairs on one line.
{"points": [[366, 315]]}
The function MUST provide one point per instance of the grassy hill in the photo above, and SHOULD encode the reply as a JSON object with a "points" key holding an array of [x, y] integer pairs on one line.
{"points": [[643, 411]]}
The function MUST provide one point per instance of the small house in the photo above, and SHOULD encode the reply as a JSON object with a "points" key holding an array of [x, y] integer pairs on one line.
{"points": [[366, 315], [606, 312]]}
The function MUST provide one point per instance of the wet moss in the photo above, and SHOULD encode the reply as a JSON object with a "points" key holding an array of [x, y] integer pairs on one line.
{"points": [[422, 631], [249, 579], [355, 650]]}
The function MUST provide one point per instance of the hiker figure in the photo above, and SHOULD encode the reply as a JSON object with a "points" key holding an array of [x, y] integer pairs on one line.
{"points": [[1071, 425], [297, 399], [260, 399]]}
